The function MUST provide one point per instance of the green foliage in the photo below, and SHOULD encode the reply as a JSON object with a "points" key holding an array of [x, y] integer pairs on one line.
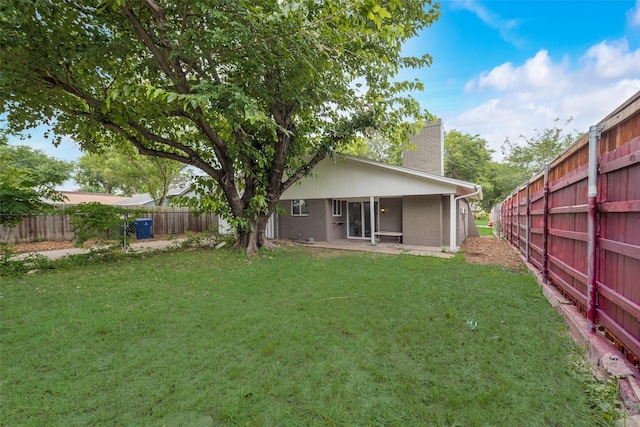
{"points": [[534, 153], [192, 240], [121, 171], [37, 263], [603, 394], [375, 146], [483, 216], [6, 251], [468, 158], [15, 267], [253, 94], [100, 222], [103, 173], [27, 182]]}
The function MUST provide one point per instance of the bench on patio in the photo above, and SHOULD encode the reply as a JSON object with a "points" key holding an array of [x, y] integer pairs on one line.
{"points": [[397, 234]]}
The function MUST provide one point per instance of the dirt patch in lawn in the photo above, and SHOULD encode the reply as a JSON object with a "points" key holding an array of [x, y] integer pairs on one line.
{"points": [[22, 248], [491, 250]]}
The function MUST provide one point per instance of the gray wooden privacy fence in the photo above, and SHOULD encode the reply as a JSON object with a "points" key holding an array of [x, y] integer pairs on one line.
{"points": [[56, 227], [578, 222]]}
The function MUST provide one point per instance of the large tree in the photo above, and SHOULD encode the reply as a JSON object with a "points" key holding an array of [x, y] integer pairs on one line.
{"points": [[468, 157], [253, 93], [28, 180]]}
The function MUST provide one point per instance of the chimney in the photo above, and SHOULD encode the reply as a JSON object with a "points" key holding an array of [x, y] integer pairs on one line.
{"points": [[428, 155]]}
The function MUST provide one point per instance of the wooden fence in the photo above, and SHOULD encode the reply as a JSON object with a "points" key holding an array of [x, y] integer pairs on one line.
{"points": [[55, 227], [595, 263]]}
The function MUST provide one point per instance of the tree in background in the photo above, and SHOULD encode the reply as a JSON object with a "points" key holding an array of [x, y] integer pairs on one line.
{"points": [[28, 180], [119, 172], [375, 147], [534, 153], [103, 172], [157, 176], [468, 158]]}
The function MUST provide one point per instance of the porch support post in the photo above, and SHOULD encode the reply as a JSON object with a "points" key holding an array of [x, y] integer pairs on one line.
{"points": [[452, 223], [372, 215]]}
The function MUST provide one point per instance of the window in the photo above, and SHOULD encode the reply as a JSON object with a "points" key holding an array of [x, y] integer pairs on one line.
{"points": [[299, 208], [337, 207]]}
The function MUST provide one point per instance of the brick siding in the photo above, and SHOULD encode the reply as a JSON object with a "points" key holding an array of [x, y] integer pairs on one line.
{"points": [[422, 220], [429, 150]]}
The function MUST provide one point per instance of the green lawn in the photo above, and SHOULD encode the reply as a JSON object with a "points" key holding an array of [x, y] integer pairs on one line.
{"points": [[297, 337], [483, 227]]}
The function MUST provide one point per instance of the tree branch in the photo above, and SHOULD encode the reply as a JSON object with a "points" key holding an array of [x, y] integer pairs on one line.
{"points": [[304, 169], [54, 80], [193, 159], [145, 38]]}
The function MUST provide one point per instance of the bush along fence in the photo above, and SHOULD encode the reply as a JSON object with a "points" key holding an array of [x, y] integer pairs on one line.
{"points": [[164, 221], [578, 222]]}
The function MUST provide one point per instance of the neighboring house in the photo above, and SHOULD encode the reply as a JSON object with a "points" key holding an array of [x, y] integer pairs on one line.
{"points": [[77, 197], [146, 200], [355, 198]]}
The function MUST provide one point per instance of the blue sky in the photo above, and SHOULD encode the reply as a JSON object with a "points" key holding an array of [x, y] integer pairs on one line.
{"points": [[502, 69]]}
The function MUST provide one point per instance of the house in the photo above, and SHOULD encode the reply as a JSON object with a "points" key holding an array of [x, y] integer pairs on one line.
{"points": [[146, 200], [356, 198]]}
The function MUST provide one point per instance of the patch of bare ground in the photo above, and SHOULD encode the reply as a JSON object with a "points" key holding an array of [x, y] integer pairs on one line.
{"points": [[491, 250], [21, 248]]}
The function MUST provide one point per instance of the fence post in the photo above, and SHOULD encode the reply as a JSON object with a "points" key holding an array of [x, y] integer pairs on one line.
{"points": [[592, 289], [527, 233], [125, 227], [518, 220], [545, 227]]}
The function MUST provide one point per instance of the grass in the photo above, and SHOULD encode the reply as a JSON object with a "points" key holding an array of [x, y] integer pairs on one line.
{"points": [[293, 337], [483, 227]]}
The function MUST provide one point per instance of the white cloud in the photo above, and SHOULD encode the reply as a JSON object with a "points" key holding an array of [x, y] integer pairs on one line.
{"points": [[612, 60], [536, 72], [633, 15], [506, 27], [512, 100]]}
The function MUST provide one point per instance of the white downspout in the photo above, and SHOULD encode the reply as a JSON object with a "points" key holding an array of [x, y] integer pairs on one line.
{"points": [[372, 215], [453, 247], [452, 223]]}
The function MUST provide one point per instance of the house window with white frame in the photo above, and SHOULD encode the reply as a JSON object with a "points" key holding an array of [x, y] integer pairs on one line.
{"points": [[337, 207], [299, 208]]}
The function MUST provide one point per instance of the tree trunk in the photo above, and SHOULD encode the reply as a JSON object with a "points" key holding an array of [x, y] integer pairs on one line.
{"points": [[261, 233], [256, 239]]}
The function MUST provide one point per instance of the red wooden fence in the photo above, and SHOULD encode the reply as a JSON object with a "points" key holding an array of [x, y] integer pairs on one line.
{"points": [[547, 219]]}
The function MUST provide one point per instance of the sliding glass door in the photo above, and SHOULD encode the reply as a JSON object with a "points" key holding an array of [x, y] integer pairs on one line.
{"points": [[359, 223]]}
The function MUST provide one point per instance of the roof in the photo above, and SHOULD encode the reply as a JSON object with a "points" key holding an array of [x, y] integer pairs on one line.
{"points": [[354, 177], [77, 197], [146, 198]]}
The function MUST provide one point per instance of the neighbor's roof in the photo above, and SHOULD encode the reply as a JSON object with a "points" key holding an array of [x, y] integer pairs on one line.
{"points": [[145, 198], [353, 177], [77, 197]]}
